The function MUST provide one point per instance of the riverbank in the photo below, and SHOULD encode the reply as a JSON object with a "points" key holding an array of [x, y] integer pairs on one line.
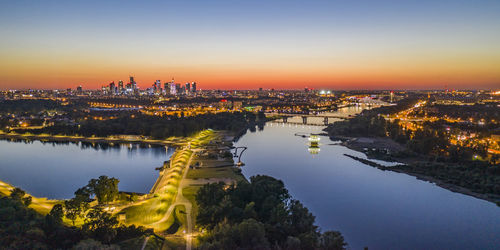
{"points": [[41, 205], [173, 141], [438, 182], [170, 207]]}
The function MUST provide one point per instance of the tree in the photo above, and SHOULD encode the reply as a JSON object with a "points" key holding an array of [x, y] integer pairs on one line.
{"points": [[255, 215], [74, 209], [104, 188], [332, 240], [249, 234], [100, 225], [252, 235], [17, 194], [27, 200], [57, 212]]}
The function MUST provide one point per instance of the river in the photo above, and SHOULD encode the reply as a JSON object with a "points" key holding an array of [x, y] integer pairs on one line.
{"points": [[57, 170], [370, 207]]}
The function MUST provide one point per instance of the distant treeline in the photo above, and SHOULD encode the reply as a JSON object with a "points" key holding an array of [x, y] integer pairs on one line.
{"points": [[158, 127], [370, 122], [28, 106]]}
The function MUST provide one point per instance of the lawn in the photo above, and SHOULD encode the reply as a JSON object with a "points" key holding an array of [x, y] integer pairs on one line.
{"points": [[216, 172], [148, 212], [190, 194]]}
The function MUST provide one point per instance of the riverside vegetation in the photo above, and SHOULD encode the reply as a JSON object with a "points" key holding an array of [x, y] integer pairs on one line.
{"points": [[427, 151]]}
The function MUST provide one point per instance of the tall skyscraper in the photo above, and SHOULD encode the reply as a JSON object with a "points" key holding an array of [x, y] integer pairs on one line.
{"points": [[120, 86], [188, 88], [158, 86], [166, 88], [193, 87], [112, 88], [133, 83], [173, 89]]}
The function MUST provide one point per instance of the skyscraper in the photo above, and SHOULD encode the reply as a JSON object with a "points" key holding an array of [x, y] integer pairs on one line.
{"points": [[133, 83], [112, 88], [158, 86], [188, 88], [166, 88], [173, 89], [193, 87], [120, 86]]}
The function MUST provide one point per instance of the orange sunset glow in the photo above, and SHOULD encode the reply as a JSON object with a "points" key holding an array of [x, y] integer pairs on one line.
{"points": [[244, 48]]}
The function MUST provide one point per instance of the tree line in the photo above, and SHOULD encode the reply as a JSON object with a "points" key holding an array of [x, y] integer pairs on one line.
{"points": [[430, 144], [22, 227], [158, 127], [259, 214]]}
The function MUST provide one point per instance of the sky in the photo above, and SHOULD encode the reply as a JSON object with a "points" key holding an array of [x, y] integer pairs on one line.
{"points": [[251, 44]]}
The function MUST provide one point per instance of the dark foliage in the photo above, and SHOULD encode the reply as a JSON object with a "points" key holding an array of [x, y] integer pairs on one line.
{"points": [[259, 214], [153, 126]]}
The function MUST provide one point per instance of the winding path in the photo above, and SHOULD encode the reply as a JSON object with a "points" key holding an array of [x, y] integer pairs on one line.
{"points": [[181, 200]]}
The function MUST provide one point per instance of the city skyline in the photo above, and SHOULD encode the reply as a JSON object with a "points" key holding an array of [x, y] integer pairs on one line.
{"points": [[229, 45]]}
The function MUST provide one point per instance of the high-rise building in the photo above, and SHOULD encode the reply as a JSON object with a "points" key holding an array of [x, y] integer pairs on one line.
{"points": [[157, 86], [166, 88], [79, 89], [133, 84], [178, 88], [188, 88], [173, 89], [193, 87], [112, 88], [120, 86]]}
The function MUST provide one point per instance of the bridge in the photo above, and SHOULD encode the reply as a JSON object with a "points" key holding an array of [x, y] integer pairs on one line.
{"points": [[326, 117]]}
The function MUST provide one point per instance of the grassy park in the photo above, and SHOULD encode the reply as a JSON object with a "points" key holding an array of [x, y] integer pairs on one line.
{"points": [[163, 209]]}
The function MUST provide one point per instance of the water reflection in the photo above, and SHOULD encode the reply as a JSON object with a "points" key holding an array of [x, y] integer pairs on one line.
{"points": [[56, 169]]}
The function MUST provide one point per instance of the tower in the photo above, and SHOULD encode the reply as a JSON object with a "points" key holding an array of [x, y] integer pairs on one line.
{"points": [[173, 89], [120, 86], [193, 87]]}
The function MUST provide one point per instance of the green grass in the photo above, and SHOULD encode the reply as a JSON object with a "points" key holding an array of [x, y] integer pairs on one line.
{"points": [[176, 223], [220, 172], [190, 194], [148, 212], [180, 214]]}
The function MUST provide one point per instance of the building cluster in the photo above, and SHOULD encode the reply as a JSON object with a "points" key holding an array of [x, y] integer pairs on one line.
{"points": [[157, 88]]}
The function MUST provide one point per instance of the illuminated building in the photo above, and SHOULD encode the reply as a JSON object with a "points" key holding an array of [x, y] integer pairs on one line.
{"points": [[157, 86], [173, 89], [165, 88], [193, 87], [120, 86]]}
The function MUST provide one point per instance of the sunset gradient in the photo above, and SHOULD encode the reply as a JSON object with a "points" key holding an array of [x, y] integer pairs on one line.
{"points": [[251, 44]]}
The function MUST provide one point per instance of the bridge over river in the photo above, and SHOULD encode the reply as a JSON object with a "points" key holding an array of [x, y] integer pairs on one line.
{"points": [[325, 118]]}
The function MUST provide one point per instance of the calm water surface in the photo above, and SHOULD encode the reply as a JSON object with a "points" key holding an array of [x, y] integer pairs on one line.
{"points": [[374, 208], [58, 170], [371, 207]]}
